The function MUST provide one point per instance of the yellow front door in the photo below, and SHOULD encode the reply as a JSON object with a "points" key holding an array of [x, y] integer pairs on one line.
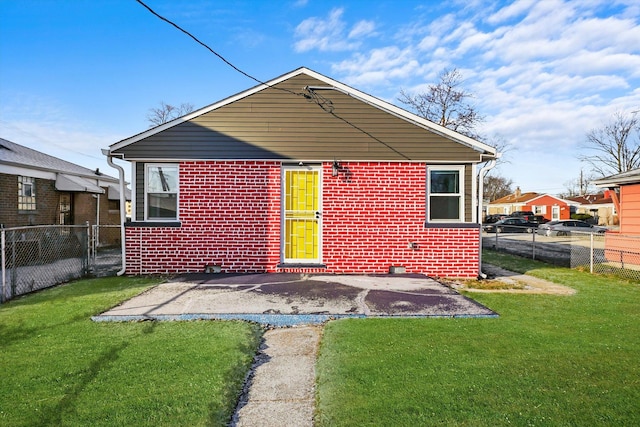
{"points": [[302, 215]]}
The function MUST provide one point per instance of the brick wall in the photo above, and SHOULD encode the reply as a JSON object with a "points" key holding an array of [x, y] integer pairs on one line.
{"points": [[230, 215], [8, 203], [46, 203], [373, 218], [84, 209]]}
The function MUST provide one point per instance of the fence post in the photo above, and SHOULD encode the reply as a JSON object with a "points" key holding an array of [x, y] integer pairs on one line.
{"points": [[591, 253], [88, 248], [94, 244], [4, 267], [14, 269]]}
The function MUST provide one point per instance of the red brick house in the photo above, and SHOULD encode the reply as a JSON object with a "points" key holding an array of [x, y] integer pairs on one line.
{"points": [[551, 207], [303, 174]]}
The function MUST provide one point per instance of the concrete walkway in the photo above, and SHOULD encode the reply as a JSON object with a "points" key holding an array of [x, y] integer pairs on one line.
{"points": [[280, 391]]}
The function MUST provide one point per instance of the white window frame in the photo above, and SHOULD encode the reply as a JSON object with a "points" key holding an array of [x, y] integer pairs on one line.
{"points": [[539, 209], [148, 166], [461, 212]]}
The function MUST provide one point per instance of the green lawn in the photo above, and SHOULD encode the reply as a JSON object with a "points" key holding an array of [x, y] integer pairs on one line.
{"points": [[60, 368], [547, 360]]}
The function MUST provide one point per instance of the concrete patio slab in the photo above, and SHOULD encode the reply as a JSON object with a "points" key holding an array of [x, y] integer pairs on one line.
{"points": [[285, 299]]}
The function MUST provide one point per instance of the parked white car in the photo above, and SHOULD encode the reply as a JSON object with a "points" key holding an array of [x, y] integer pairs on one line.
{"points": [[565, 227]]}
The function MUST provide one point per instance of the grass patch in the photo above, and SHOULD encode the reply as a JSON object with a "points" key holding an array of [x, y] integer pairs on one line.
{"points": [[60, 368], [547, 360]]}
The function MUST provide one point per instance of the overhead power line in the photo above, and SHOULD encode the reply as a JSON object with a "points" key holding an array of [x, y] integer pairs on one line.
{"points": [[211, 50], [322, 102]]}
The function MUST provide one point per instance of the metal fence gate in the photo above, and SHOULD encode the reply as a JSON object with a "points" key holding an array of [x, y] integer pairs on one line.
{"points": [[39, 257]]}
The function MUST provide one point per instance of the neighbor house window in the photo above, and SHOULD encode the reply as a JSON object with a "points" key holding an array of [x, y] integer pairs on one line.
{"points": [[26, 193], [445, 193], [539, 210], [161, 190]]}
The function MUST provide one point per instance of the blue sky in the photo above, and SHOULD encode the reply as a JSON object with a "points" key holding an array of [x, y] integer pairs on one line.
{"points": [[77, 76]]}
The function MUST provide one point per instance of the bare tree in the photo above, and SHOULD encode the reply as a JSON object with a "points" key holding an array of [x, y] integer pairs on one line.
{"points": [[615, 146], [166, 112], [496, 186], [446, 103], [578, 186]]}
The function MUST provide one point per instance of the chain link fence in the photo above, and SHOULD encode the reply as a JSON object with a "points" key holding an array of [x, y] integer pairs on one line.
{"points": [[600, 253], [106, 250], [39, 257]]}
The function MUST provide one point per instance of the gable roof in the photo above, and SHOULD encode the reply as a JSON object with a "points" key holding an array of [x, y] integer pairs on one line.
{"points": [[629, 177], [592, 199], [12, 154], [304, 90], [565, 201], [514, 198]]}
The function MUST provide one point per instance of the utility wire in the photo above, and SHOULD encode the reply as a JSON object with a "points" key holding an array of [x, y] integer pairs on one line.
{"points": [[213, 51], [321, 101], [327, 105]]}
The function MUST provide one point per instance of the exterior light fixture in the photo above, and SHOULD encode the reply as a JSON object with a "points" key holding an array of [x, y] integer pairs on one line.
{"points": [[335, 168]]}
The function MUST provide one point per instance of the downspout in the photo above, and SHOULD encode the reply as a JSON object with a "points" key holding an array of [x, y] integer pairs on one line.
{"points": [[483, 172], [123, 213], [611, 192]]}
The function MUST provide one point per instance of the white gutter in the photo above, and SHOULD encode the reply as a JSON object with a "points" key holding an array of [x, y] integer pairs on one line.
{"points": [[123, 213], [483, 172]]}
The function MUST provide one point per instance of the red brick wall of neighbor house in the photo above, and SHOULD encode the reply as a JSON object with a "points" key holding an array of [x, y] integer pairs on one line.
{"points": [[230, 215]]}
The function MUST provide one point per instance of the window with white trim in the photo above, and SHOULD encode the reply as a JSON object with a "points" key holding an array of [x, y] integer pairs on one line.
{"points": [[445, 194], [161, 192], [26, 193], [540, 210]]}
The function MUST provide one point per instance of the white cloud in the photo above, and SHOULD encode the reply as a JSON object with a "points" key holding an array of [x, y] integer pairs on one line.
{"points": [[428, 43], [543, 73], [362, 29], [513, 10], [330, 33], [379, 66]]}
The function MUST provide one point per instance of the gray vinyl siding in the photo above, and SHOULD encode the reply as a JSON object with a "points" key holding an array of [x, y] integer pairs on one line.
{"points": [[276, 124], [468, 186], [139, 192]]}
